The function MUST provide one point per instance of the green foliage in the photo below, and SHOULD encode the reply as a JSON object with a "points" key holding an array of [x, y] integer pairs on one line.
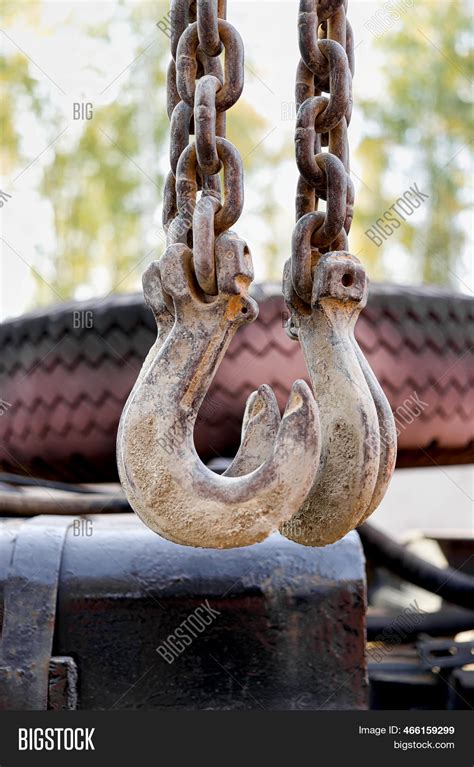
{"points": [[95, 194], [105, 178], [17, 86], [420, 131]]}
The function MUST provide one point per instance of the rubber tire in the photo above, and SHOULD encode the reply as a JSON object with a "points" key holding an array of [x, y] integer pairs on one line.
{"points": [[65, 374]]}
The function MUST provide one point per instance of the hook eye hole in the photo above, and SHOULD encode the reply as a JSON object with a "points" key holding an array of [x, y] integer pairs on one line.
{"points": [[244, 310], [347, 280]]}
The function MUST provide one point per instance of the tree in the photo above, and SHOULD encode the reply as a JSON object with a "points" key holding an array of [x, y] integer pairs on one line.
{"points": [[104, 182], [18, 87], [420, 131]]}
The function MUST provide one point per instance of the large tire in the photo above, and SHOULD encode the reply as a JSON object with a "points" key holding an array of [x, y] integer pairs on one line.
{"points": [[63, 384]]}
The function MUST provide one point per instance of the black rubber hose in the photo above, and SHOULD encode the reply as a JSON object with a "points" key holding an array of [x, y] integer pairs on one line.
{"points": [[16, 479], [447, 583], [22, 505], [444, 623]]}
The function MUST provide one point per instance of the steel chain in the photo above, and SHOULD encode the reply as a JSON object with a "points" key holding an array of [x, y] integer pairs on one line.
{"points": [[199, 92], [327, 64]]}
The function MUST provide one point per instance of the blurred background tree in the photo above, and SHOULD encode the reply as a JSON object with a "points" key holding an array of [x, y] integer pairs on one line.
{"points": [[103, 181], [420, 130], [19, 89]]}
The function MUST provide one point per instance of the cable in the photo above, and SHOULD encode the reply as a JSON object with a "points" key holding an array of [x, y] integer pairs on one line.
{"points": [[444, 623], [29, 504], [450, 584], [17, 479]]}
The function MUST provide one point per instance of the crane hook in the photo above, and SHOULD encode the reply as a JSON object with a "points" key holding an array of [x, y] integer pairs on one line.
{"points": [[165, 481], [358, 449]]}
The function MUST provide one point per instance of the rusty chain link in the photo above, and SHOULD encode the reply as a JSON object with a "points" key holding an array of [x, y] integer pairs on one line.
{"points": [[327, 64], [199, 92], [299, 466]]}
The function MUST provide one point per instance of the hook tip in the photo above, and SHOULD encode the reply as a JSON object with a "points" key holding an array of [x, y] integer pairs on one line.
{"points": [[300, 397]]}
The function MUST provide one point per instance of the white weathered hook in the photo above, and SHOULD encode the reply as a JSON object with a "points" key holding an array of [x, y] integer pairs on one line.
{"points": [[387, 433], [358, 432], [166, 483], [259, 430]]}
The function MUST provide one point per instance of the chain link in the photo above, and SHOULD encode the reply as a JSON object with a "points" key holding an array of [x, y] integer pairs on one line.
{"points": [[199, 92], [326, 65]]}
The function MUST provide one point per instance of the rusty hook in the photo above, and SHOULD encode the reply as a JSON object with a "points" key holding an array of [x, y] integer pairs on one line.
{"points": [[166, 483], [358, 436]]}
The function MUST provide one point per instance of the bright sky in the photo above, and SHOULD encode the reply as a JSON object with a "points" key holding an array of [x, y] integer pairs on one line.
{"points": [[71, 68]]}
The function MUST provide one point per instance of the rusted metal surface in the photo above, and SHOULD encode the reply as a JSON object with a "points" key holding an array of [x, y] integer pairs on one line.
{"points": [[356, 464], [166, 483], [326, 47], [325, 289], [29, 609], [259, 430], [202, 282], [275, 605], [63, 684], [358, 456], [199, 294], [289, 633]]}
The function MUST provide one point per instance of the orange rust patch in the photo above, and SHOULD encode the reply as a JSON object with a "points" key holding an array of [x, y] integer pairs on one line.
{"points": [[234, 307]]}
